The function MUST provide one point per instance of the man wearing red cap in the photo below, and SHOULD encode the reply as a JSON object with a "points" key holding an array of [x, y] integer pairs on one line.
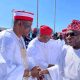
{"points": [[45, 53], [71, 52], [12, 46]]}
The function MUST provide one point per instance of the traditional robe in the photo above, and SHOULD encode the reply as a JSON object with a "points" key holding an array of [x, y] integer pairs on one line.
{"points": [[10, 50], [45, 54], [3, 68], [60, 42], [72, 64]]}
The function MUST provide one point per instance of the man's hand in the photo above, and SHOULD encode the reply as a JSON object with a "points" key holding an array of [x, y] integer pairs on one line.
{"points": [[35, 71], [45, 71]]}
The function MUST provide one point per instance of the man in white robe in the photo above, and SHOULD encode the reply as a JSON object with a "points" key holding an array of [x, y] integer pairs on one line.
{"points": [[46, 53], [11, 43], [71, 52]]}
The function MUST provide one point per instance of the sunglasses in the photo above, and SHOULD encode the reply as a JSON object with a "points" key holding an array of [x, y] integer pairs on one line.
{"points": [[71, 34]]}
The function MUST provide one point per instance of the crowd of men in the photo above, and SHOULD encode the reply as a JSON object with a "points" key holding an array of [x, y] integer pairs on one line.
{"points": [[42, 57]]}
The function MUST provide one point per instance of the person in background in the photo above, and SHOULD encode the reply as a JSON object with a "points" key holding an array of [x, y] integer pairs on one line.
{"points": [[34, 32], [27, 39]]}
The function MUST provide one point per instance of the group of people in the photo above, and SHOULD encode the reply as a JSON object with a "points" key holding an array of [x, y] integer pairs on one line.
{"points": [[44, 58]]}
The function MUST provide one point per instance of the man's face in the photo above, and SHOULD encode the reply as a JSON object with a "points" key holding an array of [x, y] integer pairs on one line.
{"points": [[26, 27], [73, 38], [46, 38]]}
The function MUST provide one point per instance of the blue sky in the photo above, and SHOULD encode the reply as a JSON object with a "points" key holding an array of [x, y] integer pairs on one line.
{"points": [[66, 11]]}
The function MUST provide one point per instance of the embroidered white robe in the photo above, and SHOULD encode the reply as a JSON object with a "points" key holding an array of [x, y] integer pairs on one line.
{"points": [[10, 50], [45, 54]]}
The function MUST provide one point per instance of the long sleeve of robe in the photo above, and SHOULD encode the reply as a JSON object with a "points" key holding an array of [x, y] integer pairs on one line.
{"points": [[3, 68], [72, 64], [11, 52], [54, 72], [72, 68]]}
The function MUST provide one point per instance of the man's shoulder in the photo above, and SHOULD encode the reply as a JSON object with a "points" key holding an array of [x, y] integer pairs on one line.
{"points": [[54, 43], [33, 42], [6, 36], [6, 32], [66, 46]]}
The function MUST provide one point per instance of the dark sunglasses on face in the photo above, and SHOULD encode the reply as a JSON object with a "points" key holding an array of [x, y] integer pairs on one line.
{"points": [[71, 34]]}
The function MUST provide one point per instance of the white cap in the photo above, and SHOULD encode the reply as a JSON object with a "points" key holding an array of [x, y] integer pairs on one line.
{"points": [[22, 15]]}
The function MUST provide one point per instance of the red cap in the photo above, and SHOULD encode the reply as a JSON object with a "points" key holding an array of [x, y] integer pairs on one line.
{"points": [[45, 30], [64, 30], [22, 15], [75, 25]]}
